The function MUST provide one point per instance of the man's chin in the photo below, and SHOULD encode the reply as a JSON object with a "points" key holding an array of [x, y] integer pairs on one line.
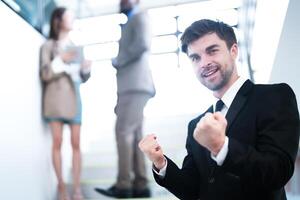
{"points": [[212, 86]]}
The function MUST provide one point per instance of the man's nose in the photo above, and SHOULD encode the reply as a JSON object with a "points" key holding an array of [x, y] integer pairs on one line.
{"points": [[205, 61]]}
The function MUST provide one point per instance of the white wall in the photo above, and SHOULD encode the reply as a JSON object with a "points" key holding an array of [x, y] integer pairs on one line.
{"points": [[286, 66], [25, 161]]}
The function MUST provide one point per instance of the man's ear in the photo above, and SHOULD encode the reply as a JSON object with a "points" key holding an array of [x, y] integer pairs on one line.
{"points": [[234, 50]]}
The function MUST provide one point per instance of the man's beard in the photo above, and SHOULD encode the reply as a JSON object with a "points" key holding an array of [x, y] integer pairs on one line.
{"points": [[225, 77]]}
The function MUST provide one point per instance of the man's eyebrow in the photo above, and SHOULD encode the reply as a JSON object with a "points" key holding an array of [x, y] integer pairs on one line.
{"points": [[211, 47]]}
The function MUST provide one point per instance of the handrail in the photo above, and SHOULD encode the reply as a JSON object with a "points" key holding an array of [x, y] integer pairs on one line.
{"points": [[34, 12]]}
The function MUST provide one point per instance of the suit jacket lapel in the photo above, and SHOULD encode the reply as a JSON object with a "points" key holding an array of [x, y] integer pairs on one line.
{"points": [[238, 102]]}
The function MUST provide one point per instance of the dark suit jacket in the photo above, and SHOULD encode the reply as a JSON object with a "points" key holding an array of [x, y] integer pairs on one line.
{"points": [[263, 132]]}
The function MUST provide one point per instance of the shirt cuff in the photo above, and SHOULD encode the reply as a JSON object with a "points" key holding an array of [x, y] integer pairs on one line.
{"points": [[162, 172], [222, 154]]}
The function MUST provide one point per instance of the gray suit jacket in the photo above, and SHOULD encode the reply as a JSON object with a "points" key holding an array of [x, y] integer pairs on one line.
{"points": [[132, 62]]}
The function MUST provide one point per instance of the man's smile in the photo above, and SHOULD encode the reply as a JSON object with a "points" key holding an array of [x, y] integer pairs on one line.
{"points": [[209, 71]]}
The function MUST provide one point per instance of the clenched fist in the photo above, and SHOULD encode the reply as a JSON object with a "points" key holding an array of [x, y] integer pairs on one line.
{"points": [[153, 151], [210, 132]]}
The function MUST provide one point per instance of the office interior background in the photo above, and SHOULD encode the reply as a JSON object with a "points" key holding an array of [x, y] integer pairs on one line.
{"points": [[268, 36]]}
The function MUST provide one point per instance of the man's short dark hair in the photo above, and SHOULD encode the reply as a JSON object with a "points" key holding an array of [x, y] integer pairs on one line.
{"points": [[205, 26]]}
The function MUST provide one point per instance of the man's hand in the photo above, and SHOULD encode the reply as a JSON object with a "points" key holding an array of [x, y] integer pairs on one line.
{"points": [[114, 63], [210, 132], [153, 151]]}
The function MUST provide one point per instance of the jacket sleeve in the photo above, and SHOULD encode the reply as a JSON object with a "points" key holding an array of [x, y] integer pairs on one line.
{"points": [[184, 183], [46, 72], [85, 75], [270, 163]]}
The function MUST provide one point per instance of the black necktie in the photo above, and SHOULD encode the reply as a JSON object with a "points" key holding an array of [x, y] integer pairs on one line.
{"points": [[219, 105]]}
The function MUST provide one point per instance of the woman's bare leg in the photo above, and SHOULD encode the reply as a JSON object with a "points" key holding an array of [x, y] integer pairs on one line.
{"points": [[75, 140], [57, 129]]}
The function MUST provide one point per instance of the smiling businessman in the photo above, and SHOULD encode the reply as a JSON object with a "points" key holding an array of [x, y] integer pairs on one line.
{"points": [[244, 146]]}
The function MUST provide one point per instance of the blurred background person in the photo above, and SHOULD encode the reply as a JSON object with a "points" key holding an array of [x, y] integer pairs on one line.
{"points": [[62, 69], [135, 87]]}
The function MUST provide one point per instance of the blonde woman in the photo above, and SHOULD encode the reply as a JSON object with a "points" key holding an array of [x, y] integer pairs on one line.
{"points": [[62, 70]]}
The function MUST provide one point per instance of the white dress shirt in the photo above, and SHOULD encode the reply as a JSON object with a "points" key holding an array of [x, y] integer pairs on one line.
{"points": [[227, 100]]}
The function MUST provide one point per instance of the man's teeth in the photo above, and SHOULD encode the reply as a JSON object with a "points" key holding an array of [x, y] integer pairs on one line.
{"points": [[210, 73]]}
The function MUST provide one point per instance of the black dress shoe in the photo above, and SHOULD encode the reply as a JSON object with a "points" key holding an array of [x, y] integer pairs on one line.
{"points": [[113, 191], [141, 193]]}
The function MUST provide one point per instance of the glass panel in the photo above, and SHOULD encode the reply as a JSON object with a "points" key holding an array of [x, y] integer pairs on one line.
{"points": [[162, 26], [229, 16], [101, 51], [91, 30], [163, 12], [99, 98], [163, 62], [215, 10], [175, 87], [164, 44]]}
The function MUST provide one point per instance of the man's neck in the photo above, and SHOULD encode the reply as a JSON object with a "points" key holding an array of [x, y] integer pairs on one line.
{"points": [[220, 93]]}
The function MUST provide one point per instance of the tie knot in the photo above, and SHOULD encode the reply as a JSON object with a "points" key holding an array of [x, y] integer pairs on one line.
{"points": [[219, 105]]}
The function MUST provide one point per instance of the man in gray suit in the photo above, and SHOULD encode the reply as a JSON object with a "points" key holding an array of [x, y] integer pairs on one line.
{"points": [[135, 88]]}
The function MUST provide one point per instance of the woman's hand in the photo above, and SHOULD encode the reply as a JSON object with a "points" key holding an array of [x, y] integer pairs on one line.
{"points": [[68, 56]]}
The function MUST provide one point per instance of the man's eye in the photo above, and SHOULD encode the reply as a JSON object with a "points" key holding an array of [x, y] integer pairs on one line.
{"points": [[195, 58]]}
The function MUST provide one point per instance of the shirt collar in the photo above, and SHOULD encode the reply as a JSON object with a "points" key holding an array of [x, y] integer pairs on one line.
{"points": [[232, 91]]}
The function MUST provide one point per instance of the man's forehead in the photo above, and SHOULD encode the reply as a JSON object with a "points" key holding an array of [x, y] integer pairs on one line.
{"points": [[205, 42]]}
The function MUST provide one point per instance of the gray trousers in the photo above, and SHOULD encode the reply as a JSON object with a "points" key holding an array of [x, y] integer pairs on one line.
{"points": [[129, 126]]}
